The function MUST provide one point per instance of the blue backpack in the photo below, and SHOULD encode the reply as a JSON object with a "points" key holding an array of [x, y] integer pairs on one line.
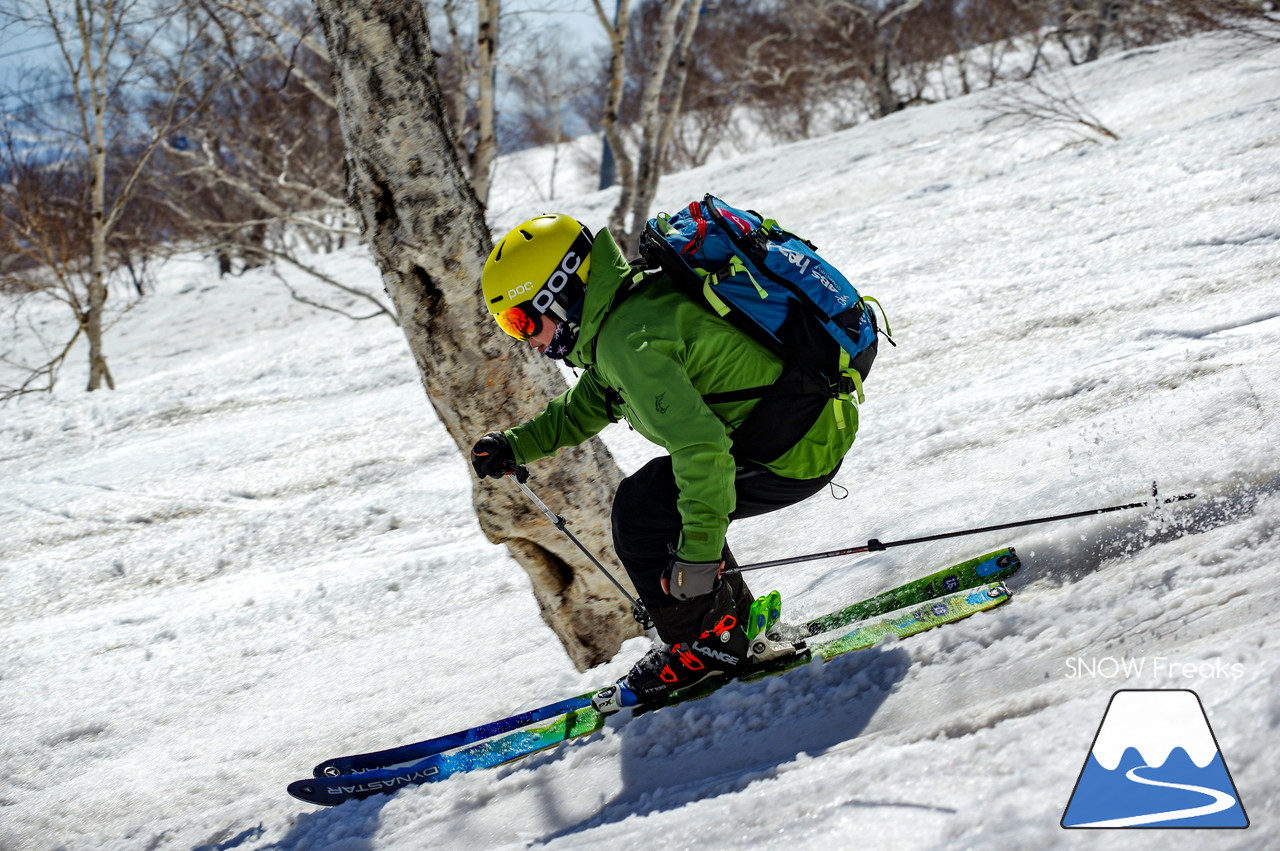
{"points": [[775, 287]]}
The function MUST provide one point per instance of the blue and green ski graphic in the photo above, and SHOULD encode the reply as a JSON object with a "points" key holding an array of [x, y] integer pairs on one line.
{"points": [[508, 739], [991, 567]]}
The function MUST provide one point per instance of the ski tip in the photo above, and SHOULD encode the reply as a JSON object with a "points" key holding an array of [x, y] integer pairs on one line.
{"points": [[329, 792], [311, 791]]}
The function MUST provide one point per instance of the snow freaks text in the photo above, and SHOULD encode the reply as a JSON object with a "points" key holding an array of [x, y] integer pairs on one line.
{"points": [[1155, 667]]}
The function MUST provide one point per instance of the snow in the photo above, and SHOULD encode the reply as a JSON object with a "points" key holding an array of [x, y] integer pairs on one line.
{"points": [[259, 551]]}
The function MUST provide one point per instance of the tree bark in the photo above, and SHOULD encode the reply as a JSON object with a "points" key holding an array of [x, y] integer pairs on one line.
{"points": [[105, 45], [660, 108], [427, 232], [486, 102], [97, 285], [92, 28], [611, 120]]}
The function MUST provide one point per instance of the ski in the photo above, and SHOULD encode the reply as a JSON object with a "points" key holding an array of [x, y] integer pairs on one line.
{"points": [[926, 615], [329, 791], [991, 567], [417, 750]]}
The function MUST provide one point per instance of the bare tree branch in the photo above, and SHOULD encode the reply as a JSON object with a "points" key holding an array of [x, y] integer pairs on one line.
{"points": [[1049, 99]]}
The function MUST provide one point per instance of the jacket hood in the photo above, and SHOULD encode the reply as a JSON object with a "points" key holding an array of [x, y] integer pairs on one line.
{"points": [[609, 269]]}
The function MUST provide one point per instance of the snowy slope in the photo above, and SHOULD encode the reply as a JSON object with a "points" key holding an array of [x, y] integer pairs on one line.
{"points": [[258, 552]]}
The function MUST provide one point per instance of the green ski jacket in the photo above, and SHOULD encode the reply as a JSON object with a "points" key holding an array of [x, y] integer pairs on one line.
{"points": [[659, 352]]}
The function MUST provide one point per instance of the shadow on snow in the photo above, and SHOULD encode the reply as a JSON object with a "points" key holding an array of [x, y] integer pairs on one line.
{"points": [[743, 734]]}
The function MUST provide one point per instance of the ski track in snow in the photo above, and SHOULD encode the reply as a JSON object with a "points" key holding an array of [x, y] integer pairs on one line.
{"points": [[259, 551]]}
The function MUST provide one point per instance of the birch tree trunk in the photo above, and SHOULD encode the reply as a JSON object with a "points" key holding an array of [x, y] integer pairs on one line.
{"points": [[486, 130], [85, 46], [611, 120], [428, 235], [638, 177], [659, 115], [102, 44], [96, 138]]}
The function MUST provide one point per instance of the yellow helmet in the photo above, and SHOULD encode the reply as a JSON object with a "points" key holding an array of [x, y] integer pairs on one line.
{"points": [[538, 268]]}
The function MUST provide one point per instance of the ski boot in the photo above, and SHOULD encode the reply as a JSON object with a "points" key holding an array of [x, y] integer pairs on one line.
{"points": [[734, 642], [707, 638]]}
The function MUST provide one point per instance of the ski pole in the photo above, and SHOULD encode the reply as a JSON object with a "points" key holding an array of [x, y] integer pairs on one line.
{"points": [[521, 475], [874, 545]]}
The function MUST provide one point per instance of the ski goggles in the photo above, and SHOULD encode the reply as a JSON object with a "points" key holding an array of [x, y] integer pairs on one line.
{"points": [[521, 321]]}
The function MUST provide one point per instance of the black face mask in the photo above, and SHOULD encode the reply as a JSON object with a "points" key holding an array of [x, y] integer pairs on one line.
{"points": [[566, 336], [562, 341]]}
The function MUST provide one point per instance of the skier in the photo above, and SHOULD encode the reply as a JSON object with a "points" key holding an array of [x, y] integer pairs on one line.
{"points": [[682, 376]]}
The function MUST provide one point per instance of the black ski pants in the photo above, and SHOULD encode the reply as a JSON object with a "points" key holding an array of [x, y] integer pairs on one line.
{"points": [[647, 524]]}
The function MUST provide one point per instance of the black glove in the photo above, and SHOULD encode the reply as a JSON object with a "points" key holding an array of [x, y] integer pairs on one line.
{"points": [[492, 456], [685, 580]]}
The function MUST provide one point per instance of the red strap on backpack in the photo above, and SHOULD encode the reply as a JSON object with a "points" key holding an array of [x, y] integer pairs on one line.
{"points": [[695, 210]]}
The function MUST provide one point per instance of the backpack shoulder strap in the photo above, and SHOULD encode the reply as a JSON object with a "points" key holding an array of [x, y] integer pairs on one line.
{"points": [[640, 275]]}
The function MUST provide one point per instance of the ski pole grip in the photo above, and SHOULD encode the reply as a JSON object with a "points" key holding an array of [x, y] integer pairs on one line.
{"points": [[874, 546], [521, 472]]}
